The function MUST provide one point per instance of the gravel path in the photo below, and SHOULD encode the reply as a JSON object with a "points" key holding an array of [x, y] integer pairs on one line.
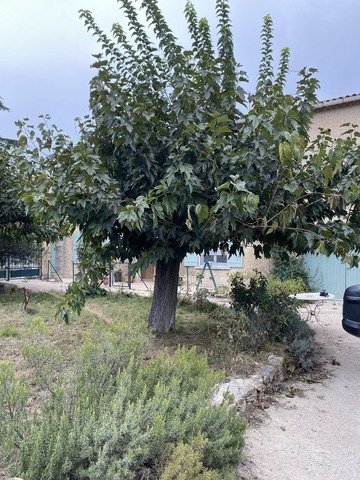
{"points": [[315, 434]]}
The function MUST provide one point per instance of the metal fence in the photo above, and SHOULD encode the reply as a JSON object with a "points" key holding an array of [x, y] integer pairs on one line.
{"points": [[12, 266]]}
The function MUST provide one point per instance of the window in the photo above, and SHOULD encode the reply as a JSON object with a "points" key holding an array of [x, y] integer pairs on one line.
{"points": [[217, 259]]}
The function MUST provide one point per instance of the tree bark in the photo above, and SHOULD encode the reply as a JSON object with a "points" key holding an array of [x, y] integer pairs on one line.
{"points": [[163, 308]]}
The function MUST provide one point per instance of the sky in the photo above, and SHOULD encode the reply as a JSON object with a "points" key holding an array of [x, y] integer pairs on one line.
{"points": [[46, 52]]}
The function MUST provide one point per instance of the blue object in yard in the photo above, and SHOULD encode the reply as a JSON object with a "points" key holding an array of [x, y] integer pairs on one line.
{"points": [[351, 310]]}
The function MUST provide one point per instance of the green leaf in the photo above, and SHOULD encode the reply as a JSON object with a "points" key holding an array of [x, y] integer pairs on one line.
{"points": [[22, 141], [285, 152], [202, 212]]}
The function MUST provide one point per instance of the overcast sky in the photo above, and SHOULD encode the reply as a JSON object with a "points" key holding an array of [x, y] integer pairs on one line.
{"points": [[46, 51]]}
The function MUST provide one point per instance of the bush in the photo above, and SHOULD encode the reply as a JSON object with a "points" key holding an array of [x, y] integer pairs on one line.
{"points": [[290, 286], [299, 339], [288, 266], [201, 300], [114, 415], [14, 395], [271, 314], [267, 310], [185, 462]]}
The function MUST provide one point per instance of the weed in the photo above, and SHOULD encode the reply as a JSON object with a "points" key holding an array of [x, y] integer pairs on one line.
{"points": [[9, 331]]}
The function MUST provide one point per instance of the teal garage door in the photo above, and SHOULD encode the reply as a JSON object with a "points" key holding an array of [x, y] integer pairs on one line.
{"points": [[330, 274]]}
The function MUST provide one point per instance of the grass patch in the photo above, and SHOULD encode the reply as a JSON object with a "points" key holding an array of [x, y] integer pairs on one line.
{"points": [[9, 331]]}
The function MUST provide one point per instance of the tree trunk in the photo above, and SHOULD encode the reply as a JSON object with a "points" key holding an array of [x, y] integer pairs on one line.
{"points": [[163, 308]]}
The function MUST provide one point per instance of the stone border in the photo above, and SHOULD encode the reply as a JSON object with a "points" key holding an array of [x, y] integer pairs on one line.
{"points": [[246, 390]]}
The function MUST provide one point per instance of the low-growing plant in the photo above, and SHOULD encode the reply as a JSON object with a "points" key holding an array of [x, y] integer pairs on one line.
{"points": [[201, 300], [185, 462], [108, 349], [14, 395], [45, 359], [221, 291], [198, 301], [9, 331], [113, 415], [298, 336]]}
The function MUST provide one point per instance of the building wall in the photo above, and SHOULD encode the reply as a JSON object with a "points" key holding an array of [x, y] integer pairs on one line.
{"points": [[247, 263], [333, 118], [330, 274], [252, 263], [59, 258]]}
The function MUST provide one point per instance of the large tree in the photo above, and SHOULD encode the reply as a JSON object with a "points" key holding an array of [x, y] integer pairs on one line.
{"points": [[20, 234], [171, 160], [13, 218]]}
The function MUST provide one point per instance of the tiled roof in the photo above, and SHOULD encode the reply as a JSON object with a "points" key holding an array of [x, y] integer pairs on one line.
{"points": [[338, 102]]}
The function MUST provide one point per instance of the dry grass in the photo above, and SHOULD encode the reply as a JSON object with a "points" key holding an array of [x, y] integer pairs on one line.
{"points": [[193, 327]]}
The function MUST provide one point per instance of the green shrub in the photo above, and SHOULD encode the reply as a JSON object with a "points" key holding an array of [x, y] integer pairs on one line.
{"points": [[42, 356], [107, 349], [14, 395], [267, 311], [290, 286], [198, 301], [288, 266], [185, 462], [299, 339], [248, 295], [270, 314], [114, 415], [201, 300], [46, 361], [221, 291]]}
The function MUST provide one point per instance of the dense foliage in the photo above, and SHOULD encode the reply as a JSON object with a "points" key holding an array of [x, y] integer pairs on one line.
{"points": [[170, 161], [287, 266], [113, 415], [14, 220], [266, 312], [19, 232]]}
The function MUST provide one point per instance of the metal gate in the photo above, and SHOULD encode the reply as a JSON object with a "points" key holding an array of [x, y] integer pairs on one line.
{"points": [[13, 266]]}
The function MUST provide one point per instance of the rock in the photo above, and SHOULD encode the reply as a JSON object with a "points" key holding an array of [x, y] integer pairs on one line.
{"points": [[279, 363], [245, 391], [267, 373]]}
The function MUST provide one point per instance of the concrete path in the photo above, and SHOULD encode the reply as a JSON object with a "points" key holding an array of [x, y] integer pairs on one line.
{"points": [[316, 434], [37, 285]]}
